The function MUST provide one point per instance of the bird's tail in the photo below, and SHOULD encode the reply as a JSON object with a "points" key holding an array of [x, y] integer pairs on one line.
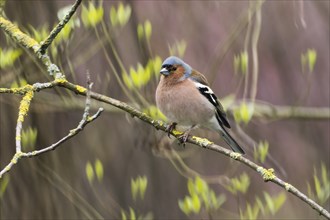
{"points": [[231, 142]]}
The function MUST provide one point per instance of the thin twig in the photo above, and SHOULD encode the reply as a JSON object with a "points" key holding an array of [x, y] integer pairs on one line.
{"points": [[23, 110], [45, 44], [254, 48], [71, 134]]}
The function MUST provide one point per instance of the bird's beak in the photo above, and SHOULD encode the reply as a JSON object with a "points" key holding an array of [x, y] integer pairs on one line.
{"points": [[164, 71]]}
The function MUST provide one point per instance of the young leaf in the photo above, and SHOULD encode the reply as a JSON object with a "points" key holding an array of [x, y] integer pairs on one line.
{"points": [[143, 182], [91, 16], [3, 185], [113, 16], [127, 80], [121, 14], [89, 172], [147, 29], [269, 202], [181, 45], [184, 206], [29, 137], [134, 188], [99, 169], [260, 153], [123, 215], [244, 60], [196, 203], [312, 55], [140, 31], [132, 214], [200, 185], [318, 188], [8, 57], [244, 113], [236, 63], [191, 187], [221, 199], [279, 201]]}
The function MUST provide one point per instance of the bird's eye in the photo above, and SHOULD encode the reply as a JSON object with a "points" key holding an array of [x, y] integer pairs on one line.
{"points": [[171, 68]]}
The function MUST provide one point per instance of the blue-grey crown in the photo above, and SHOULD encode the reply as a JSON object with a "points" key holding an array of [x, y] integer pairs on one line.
{"points": [[173, 60]]}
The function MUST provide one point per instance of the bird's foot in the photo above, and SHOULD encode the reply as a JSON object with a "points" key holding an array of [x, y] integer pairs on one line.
{"points": [[183, 138], [170, 128]]}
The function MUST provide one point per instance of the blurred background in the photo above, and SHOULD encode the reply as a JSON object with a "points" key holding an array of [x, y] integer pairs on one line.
{"points": [[272, 53]]}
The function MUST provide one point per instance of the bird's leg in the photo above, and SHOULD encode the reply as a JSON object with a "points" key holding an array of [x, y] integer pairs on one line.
{"points": [[184, 137], [170, 128]]}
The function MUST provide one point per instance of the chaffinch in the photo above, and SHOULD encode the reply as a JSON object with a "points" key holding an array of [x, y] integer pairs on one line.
{"points": [[184, 97]]}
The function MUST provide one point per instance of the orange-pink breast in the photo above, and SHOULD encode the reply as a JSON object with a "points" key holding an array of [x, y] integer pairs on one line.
{"points": [[182, 103]]}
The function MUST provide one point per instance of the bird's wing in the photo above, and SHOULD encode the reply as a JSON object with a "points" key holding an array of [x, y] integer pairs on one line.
{"points": [[203, 87]]}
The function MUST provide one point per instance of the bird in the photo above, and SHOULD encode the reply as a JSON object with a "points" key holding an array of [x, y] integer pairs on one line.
{"points": [[184, 96]]}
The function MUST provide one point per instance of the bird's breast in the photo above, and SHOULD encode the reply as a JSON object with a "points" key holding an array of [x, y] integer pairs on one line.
{"points": [[183, 103]]}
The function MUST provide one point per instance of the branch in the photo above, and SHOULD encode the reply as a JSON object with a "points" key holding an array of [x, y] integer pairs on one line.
{"points": [[23, 110], [17, 35], [291, 112], [45, 44], [254, 45], [267, 174], [270, 111], [24, 106]]}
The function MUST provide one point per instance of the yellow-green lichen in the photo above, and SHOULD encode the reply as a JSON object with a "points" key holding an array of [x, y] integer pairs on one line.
{"points": [[61, 80], [18, 137], [176, 133], [20, 90], [5, 90], [27, 87], [24, 106], [16, 90], [287, 186], [158, 123], [73, 131], [80, 89], [235, 155], [17, 156], [267, 175], [202, 141], [13, 31]]}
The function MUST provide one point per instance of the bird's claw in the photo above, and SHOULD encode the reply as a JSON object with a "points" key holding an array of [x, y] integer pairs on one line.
{"points": [[183, 139], [170, 128]]}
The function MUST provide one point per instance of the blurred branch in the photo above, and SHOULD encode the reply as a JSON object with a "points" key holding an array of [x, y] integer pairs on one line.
{"points": [[269, 111], [45, 44], [222, 48], [12, 30], [26, 41], [246, 43], [254, 48], [187, 172], [17, 35]]}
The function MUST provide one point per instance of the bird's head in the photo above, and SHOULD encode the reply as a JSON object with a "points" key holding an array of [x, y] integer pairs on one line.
{"points": [[175, 66]]}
